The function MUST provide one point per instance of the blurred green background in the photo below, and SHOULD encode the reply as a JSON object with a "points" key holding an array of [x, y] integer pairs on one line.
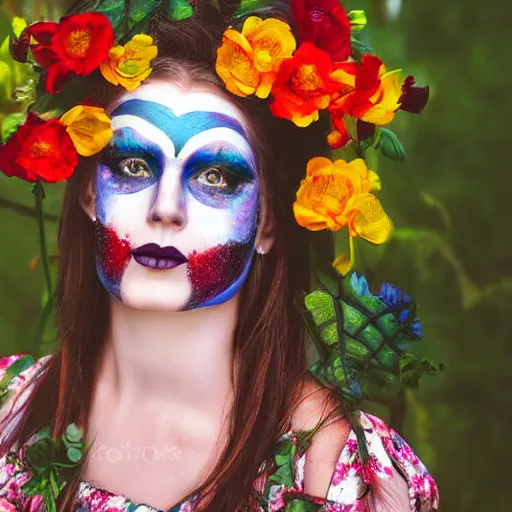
{"points": [[451, 249]]}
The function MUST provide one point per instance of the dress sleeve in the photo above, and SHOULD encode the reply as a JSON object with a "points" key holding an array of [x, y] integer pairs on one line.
{"points": [[16, 375], [390, 458]]}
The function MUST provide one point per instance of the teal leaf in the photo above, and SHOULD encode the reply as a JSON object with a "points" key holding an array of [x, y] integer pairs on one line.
{"points": [[359, 48], [390, 146], [73, 433], [74, 454]]}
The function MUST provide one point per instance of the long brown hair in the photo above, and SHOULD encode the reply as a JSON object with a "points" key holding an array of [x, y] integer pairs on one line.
{"points": [[269, 344]]}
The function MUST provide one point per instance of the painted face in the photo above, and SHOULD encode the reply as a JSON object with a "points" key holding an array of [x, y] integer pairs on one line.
{"points": [[177, 201]]}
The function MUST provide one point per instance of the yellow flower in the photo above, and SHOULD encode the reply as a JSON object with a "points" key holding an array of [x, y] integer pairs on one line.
{"points": [[326, 195], [248, 62], [337, 194], [89, 128], [129, 65]]}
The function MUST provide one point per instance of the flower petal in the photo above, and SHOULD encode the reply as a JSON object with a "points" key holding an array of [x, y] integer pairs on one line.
{"points": [[369, 220]]}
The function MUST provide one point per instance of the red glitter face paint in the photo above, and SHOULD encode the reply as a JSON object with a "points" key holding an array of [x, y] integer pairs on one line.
{"points": [[212, 271], [112, 257]]}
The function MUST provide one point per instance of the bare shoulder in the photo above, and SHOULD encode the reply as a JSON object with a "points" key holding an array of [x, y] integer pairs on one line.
{"points": [[316, 403]]}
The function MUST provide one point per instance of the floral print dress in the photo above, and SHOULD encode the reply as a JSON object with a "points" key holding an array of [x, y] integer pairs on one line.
{"points": [[349, 484]]}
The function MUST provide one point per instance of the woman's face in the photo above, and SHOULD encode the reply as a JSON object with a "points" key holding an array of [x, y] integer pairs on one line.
{"points": [[177, 199]]}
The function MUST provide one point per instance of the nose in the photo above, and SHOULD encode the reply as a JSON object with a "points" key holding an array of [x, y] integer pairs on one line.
{"points": [[169, 205]]}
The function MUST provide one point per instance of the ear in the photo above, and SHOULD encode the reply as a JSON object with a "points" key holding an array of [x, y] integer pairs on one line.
{"points": [[266, 232], [88, 201]]}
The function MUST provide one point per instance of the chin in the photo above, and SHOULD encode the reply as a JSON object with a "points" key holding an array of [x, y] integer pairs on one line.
{"points": [[155, 290]]}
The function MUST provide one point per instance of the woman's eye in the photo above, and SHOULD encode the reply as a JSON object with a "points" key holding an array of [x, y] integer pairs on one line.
{"points": [[135, 168], [214, 177]]}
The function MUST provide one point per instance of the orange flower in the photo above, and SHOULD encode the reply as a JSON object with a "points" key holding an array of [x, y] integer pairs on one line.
{"points": [[373, 93], [248, 62], [337, 194], [303, 86], [325, 196]]}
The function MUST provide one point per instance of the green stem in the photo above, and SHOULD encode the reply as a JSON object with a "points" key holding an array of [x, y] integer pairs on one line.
{"points": [[42, 324], [39, 195]]}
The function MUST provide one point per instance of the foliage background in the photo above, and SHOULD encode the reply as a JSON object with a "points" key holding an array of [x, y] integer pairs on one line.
{"points": [[451, 250]]}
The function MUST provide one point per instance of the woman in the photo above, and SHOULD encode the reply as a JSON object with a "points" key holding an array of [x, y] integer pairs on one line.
{"points": [[182, 354]]}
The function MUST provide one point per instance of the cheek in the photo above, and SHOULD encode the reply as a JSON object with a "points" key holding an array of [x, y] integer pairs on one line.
{"points": [[113, 254], [245, 213]]}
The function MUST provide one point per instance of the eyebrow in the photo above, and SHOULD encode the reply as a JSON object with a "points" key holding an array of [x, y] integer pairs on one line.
{"points": [[178, 128]]}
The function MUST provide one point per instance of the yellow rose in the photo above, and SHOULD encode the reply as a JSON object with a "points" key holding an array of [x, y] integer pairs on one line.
{"points": [[129, 65], [248, 62], [89, 129]]}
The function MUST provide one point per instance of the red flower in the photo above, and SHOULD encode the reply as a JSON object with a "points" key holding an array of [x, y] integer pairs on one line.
{"points": [[18, 46], [325, 24], [76, 45], [39, 150], [413, 98], [303, 85]]}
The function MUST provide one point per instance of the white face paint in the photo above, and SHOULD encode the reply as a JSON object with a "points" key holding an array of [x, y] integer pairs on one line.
{"points": [[177, 200]]}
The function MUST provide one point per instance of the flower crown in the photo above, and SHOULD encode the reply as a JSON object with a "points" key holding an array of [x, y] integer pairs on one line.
{"points": [[328, 70]]}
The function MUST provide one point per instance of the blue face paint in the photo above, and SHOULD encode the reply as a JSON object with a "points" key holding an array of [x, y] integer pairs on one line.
{"points": [[219, 176], [178, 128]]}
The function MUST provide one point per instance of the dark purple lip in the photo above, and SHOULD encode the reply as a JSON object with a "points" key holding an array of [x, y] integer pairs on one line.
{"points": [[156, 257]]}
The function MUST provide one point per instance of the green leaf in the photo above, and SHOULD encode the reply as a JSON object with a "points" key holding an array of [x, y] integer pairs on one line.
{"points": [[412, 368], [285, 452], [180, 10], [364, 340], [391, 146], [5, 81], [359, 49], [73, 433], [74, 454], [357, 20], [302, 506], [11, 123], [18, 25], [15, 369]]}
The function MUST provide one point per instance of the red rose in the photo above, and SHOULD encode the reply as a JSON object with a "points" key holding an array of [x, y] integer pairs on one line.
{"points": [[39, 150], [325, 24], [303, 85], [76, 45]]}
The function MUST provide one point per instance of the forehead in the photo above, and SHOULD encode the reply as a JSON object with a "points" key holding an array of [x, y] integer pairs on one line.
{"points": [[180, 114]]}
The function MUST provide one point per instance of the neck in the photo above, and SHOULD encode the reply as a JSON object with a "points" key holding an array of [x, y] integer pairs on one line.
{"points": [[172, 360]]}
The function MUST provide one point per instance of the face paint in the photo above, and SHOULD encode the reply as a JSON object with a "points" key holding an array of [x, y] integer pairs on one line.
{"points": [[198, 166], [113, 256]]}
